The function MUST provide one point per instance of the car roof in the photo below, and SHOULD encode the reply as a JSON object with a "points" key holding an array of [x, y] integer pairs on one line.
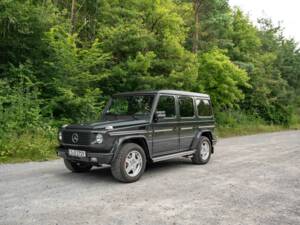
{"points": [[168, 92]]}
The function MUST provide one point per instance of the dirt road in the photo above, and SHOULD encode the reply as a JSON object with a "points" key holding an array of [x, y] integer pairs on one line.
{"points": [[249, 180]]}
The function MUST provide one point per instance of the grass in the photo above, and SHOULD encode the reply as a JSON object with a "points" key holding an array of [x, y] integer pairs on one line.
{"points": [[252, 129], [28, 146], [237, 123]]}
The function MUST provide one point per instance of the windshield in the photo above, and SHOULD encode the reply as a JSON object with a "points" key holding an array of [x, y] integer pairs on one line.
{"points": [[135, 106]]}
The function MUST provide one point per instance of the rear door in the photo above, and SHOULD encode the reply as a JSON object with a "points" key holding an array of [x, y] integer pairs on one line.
{"points": [[165, 131], [187, 122]]}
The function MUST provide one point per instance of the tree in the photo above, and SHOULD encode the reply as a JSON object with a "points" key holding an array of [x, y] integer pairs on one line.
{"points": [[197, 4], [73, 16], [147, 48], [72, 90], [222, 79]]}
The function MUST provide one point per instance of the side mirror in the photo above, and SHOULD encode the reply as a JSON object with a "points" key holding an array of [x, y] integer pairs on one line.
{"points": [[158, 115]]}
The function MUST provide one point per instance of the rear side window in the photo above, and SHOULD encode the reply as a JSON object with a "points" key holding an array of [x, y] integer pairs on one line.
{"points": [[204, 107], [186, 107], [167, 104]]}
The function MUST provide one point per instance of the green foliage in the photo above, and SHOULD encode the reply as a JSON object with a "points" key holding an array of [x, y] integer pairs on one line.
{"points": [[147, 48], [25, 134], [53, 72], [37, 144], [245, 38], [22, 25], [19, 102], [222, 79], [72, 88]]}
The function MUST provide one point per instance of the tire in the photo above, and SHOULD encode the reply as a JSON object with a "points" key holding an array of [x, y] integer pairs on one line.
{"points": [[203, 152], [77, 167], [129, 165]]}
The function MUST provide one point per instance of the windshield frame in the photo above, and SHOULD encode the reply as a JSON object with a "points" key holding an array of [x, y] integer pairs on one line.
{"points": [[148, 118]]}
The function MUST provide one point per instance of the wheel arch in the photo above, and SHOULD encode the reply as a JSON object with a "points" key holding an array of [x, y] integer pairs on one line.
{"points": [[205, 133], [136, 139]]}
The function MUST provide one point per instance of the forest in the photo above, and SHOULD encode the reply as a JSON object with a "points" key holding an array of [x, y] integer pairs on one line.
{"points": [[61, 60]]}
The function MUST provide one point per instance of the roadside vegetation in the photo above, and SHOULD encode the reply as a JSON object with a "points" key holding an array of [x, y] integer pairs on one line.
{"points": [[60, 60]]}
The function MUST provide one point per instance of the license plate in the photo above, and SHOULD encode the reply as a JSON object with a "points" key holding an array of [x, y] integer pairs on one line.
{"points": [[77, 153]]}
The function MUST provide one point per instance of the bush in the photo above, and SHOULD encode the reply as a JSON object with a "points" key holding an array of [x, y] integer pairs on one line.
{"points": [[232, 118], [29, 145], [234, 123], [24, 133]]}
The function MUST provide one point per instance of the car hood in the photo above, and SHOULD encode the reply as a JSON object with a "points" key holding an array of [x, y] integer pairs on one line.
{"points": [[103, 124]]}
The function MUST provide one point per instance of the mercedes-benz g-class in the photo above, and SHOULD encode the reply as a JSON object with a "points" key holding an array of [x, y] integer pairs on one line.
{"points": [[140, 127]]}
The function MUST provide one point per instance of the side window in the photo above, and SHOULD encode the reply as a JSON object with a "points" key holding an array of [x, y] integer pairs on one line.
{"points": [[186, 107], [204, 107], [167, 104]]}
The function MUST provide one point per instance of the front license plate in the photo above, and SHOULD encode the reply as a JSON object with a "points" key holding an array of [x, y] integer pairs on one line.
{"points": [[77, 153]]}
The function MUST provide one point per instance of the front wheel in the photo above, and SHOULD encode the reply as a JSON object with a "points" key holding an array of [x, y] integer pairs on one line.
{"points": [[129, 165], [77, 167], [203, 152]]}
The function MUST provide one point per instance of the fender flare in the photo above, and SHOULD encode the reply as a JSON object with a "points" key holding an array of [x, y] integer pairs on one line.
{"points": [[197, 137], [118, 143]]}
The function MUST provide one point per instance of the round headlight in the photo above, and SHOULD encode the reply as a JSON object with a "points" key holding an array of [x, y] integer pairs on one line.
{"points": [[60, 135], [99, 138]]}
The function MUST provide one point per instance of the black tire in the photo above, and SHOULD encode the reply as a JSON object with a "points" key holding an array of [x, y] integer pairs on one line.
{"points": [[199, 158], [118, 165], [77, 167]]}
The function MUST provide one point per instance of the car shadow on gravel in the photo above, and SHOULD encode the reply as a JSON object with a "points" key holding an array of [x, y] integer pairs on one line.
{"points": [[171, 164], [103, 174], [96, 175]]}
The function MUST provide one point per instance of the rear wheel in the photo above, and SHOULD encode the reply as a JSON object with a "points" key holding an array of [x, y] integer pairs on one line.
{"points": [[77, 167], [129, 165], [203, 152]]}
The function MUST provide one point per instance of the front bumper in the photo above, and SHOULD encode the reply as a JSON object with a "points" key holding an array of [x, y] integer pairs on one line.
{"points": [[102, 158]]}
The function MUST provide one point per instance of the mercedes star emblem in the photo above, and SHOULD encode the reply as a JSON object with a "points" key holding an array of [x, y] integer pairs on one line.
{"points": [[75, 138]]}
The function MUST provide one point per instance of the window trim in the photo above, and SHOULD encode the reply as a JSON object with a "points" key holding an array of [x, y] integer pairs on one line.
{"points": [[194, 111], [210, 106]]}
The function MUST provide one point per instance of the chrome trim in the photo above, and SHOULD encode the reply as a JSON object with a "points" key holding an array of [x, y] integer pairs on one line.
{"points": [[162, 130], [180, 154], [66, 144], [186, 128], [85, 131], [117, 133], [212, 126]]}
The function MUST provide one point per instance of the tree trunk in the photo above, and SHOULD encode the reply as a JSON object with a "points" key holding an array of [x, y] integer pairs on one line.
{"points": [[73, 16], [197, 28]]}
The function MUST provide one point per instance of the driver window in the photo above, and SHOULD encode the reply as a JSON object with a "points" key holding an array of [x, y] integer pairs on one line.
{"points": [[167, 104]]}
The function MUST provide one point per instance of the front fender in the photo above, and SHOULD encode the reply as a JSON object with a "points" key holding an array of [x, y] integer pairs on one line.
{"points": [[135, 138]]}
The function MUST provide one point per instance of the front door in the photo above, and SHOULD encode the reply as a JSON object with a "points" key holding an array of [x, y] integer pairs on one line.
{"points": [[165, 130]]}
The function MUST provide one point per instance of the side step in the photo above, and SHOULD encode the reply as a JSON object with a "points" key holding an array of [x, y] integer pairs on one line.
{"points": [[176, 155]]}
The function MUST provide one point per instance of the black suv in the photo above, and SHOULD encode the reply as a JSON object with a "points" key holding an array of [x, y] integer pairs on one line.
{"points": [[141, 127]]}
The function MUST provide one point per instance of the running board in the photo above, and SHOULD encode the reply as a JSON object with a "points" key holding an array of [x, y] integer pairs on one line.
{"points": [[176, 155]]}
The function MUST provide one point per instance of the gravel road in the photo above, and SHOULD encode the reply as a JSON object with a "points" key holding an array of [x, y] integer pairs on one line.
{"points": [[249, 180]]}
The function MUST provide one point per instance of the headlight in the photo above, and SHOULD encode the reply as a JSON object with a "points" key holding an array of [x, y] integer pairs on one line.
{"points": [[99, 138], [60, 135]]}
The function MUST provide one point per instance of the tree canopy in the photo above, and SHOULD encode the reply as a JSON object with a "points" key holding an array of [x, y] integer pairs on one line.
{"points": [[60, 60]]}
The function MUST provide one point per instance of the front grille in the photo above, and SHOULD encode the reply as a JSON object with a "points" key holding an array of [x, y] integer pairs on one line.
{"points": [[84, 138]]}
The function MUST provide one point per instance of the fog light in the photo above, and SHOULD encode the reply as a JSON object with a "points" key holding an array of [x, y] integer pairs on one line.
{"points": [[99, 138], [93, 159]]}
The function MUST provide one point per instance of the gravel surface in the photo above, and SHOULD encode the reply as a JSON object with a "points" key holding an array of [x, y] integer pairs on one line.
{"points": [[249, 180]]}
